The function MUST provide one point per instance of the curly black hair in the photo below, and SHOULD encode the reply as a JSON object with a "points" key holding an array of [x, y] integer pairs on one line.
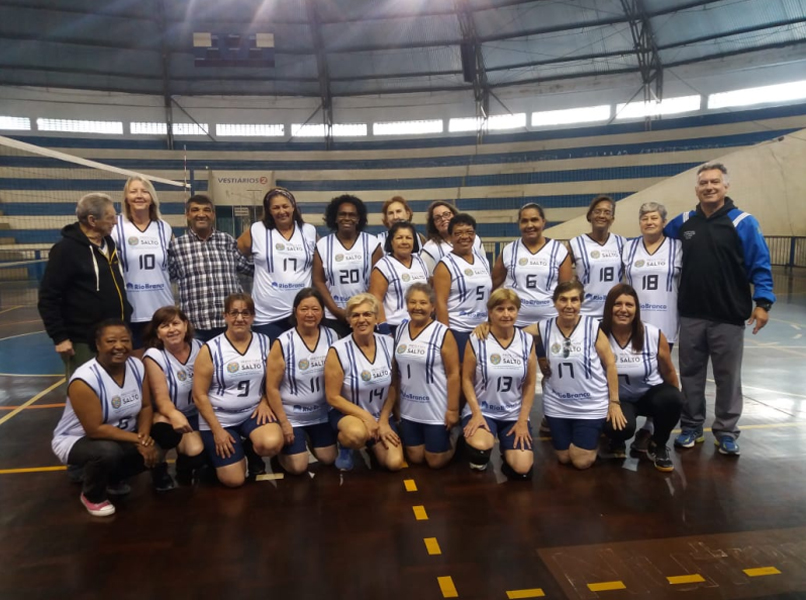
{"points": [[332, 209]]}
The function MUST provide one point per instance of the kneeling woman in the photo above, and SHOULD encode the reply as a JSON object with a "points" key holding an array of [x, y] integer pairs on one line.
{"points": [[647, 379], [428, 381], [228, 391], [358, 375], [295, 388], [169, 361], [106, 424], [498, 379]]}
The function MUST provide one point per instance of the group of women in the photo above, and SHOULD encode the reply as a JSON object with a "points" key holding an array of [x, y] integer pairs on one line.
{"points": [[347, 345]]}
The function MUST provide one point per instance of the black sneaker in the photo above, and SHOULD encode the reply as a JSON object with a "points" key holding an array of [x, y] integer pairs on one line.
{"points": [[660, 456], [614, 449], [161, 479], [641, 441]]}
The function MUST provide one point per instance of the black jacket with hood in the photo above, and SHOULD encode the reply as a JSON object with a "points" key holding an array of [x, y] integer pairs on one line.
{"points": [[81, 287]]}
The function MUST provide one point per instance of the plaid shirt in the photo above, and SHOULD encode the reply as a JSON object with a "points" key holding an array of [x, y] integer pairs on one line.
{"points": [[206, 272]]}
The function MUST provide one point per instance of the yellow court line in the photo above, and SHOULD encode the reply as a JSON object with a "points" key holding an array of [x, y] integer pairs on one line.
{"points": [[518, 594], [678, 579], [447, 587], [607, 586], [15, 412], [10, 309], [32, 470], [419, 513], [761, 571], [432, 546], [410, 485]]}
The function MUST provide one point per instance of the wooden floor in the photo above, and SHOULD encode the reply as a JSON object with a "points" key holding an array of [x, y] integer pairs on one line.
{"points": [[715, 528]]}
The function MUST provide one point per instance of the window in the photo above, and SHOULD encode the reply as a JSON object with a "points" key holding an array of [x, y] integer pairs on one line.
{"points": [[249, 129], [76, 126], [349, 129], [148, 128], [15, 123], [190, 128], [569, 116], [669, 106], [408, 127], [782, 92], [494, 123]]}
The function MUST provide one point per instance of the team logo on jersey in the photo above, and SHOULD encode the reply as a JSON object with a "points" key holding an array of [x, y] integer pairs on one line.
{"points": [[638, 264], [133, 241], [556, 348], [688, 234], [595, 254], [405, 277], [303, 364], [401, 349], [469, 272], [339, 257], [495, 359], [279, 246], [366, 375], [115, 402], [232, 367], [523, 262], [181, 375]]}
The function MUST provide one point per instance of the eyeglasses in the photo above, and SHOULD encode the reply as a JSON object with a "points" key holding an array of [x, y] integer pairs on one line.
{"points": [[446, 216], [566, 348], [240, 313]]}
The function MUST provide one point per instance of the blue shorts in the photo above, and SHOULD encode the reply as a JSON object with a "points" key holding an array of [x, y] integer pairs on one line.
{"points": [[321, 436], [500, 429], [138, 329], [435, 437], [461, 338], [239, 431], [193, 421], [582, 433], [334, 416]]}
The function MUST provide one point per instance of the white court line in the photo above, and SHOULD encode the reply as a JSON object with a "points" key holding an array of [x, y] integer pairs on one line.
{"points": [[31, 374], [19, 335], [10, 309], [31, 401], [753, 387]]}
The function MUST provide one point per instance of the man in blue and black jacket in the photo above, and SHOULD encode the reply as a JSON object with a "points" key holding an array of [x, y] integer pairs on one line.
{"points": [[724, 253]]}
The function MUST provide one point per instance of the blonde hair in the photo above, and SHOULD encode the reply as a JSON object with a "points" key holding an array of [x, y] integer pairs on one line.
{"points": [[359, 299], [153, 209], [502, 295]]}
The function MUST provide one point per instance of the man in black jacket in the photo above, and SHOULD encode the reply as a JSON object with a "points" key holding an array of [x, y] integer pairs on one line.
{"points": [[83, 284]]}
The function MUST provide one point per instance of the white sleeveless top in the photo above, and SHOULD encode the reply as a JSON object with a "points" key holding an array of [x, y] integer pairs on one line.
{"points": [[471, 285], [120, 404], [400, 278], [500, 373], [346, 271], [533, 276], [434, 252], [656, 278], [238, 379], [282, 268], [423, 382], [577, 388], [598, 267], [302, 389], [178, 376], [366, 383], [144, 261], [637, 371]]}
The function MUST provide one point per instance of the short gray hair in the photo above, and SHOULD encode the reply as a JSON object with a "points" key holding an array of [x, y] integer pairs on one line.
{"points": [[94, 205], [424, 288], [648, 207], [714, 166]]}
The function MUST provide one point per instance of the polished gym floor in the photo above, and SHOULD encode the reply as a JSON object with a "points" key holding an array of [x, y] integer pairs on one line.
{"points": [[716, 527]]}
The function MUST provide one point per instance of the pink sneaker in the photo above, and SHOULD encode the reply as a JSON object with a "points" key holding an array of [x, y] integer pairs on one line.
{"points": [[101, 509]]}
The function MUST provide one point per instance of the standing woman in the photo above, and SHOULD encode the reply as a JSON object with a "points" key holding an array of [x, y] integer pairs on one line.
{"points": [[462, 283], [597, 256], [439, 244], [532, 267], [428, 381], [169, 360], [142, 238], [358, 377], [228, 384], [282, 245], [395, 273], [343, 260], [295, 390], [395, 210]]}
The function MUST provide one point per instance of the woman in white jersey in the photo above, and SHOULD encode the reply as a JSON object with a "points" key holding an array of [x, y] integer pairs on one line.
{"points": [[533, 266], [169, 361], [106, 424], [580, 385], [428, 381], [498, 379], [395, 272], [142, 239], [344, 259], [439, 243], [282, 246], [462, 283], [652, 266], [358, 375], [228, 386], [295, 389], [648, 383], [597, 255]]}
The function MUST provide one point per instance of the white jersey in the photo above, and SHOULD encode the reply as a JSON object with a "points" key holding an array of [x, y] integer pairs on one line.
{"points": [[303, 387], [577, 388], [656, 278], [423, 382], [238, 379], [500, 373], [144, 261], [598, 268], [533, 276], [178, 376], [282, 268], [120, 404], [637, 371], [471, 285], [400, 278], [434, 252], [366, 383], [346, 271]]}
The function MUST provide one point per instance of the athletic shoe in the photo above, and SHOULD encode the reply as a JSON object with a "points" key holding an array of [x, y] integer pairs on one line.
{"points": [[641, 441], [161, 479], [344, 461], [121, 488], [688, 438], [660, 456], [476, 467], [727, 446], [98, 509], [544, 427], [614, 449]]}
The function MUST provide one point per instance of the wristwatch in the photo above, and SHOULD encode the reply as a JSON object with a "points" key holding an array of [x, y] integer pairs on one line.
{"points": [[765, 304]]}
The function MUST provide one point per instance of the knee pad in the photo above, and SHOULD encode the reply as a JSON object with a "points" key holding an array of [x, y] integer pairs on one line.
{"points": [[190, 463], [165, 436], [478, 458], [507, 470]]}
